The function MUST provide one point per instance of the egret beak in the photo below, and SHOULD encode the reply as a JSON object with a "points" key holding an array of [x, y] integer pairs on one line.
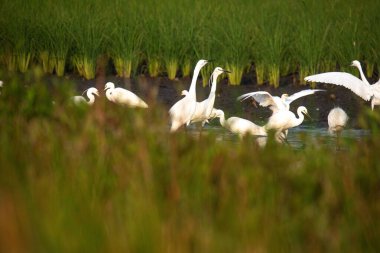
{"points": [[96, 93], [308, 115], [226, 71], [105, 88], [84, 92]]}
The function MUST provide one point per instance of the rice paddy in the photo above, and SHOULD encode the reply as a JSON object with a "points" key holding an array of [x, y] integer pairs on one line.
{"points": [[262, 40], [106, 178]]}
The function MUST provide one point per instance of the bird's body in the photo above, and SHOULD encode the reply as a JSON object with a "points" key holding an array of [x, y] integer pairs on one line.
{"points": [[362, 88], [337, 120], [240, 126], [90, 93], [182, 111], [283, 120], [276, 103], [123, 97], [203, 109]]}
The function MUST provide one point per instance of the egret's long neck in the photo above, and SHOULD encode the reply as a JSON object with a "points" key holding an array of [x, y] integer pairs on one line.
{"points": [[222, 119], [214, 80], [108, 94], [300, 118], [91, 98], [194, 81], [361, 73]]}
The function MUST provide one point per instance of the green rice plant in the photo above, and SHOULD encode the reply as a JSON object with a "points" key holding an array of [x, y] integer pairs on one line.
{"points": [[234, 39], [125, 41], [260, 71], [186, 67], [88, 34], [47, 61]]}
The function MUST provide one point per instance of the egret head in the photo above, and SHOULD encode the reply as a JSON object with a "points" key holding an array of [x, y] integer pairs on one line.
{"points": [[219, 70], [94, 90], [355, 63], [303, 110], [201, 63], [218, 113], [284, 96], [184, 93], [109, 85]]}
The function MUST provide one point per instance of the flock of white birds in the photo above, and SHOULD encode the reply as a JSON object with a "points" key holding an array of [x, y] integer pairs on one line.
{"points": [[188, 110]]}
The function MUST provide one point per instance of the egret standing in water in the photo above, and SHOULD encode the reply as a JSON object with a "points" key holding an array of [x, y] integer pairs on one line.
{"points": [[362, 88], [123, 97], [182, 111], [239, 126], [282, 120], [203, 109], [337, 120], [90, 94]]}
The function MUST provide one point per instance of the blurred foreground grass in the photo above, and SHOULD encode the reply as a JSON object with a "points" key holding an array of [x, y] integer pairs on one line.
{"points": [[111, 179]]}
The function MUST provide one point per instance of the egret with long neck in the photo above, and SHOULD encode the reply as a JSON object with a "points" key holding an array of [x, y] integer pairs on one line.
{"points": [[182, 111], [239, 126], [89, 93], [283, 120], [360, 87], [203, 109]]}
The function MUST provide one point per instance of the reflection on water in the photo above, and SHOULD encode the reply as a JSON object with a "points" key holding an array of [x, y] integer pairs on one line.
{"points": [[298, 137]]}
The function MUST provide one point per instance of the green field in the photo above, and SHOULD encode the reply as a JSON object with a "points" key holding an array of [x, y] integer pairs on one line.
{"points": [[261, 39], [110, 179]]}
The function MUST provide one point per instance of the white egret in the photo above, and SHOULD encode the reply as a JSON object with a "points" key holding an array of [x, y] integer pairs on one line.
{"points": [[362, 88], [203, 109], [283, 120], [123, 97], [182, 111], [276, 103], [239, 126], [337, 120], [90, 92]]}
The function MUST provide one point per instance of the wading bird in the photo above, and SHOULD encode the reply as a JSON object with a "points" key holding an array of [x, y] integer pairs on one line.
{"points": [[90, 92], [123, 97], [239, 126], [276, 103], [337, 120], [283, 120], [203, 109], [362, 88], [182, 111]]}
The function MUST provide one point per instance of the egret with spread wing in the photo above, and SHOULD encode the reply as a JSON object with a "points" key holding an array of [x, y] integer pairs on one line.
{"points": [[276, 103], [360, 87]]}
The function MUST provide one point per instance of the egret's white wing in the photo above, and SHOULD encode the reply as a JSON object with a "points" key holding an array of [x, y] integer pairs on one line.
{"points": [[300, 94], [264, 99], [347, 80]]}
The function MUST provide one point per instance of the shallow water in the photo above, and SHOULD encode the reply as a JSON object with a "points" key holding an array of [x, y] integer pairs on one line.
{"points": [[298, 137]]}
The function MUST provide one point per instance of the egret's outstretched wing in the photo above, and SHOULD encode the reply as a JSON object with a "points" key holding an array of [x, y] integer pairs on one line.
{"points": [[347, 80], [300, 94], [264, 99]]}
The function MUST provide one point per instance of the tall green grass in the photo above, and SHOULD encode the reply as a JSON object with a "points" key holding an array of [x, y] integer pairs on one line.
{"points": [[273, 38], [107, 179]]}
